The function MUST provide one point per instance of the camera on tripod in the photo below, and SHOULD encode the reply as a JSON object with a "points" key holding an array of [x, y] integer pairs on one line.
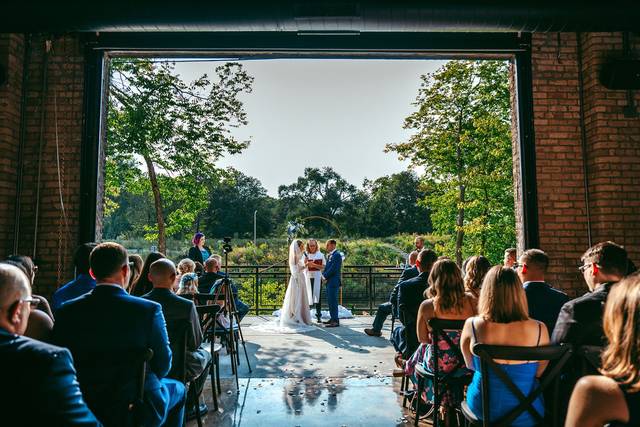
{"points": [[226, 245]]}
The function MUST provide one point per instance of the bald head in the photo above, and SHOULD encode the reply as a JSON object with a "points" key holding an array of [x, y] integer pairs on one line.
{"points": [[162, 273], [14, 287]]}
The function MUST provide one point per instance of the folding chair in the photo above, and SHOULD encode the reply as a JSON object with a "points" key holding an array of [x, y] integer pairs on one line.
{"points": [[559, 354], [208, 314], [115, 391], [439, 329], [590, 359], [178, 331]]}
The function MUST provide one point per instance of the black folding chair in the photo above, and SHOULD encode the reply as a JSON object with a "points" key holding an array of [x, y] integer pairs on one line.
{"points": [[113, 383], [208, 314], [178, 331], [559, 355], [439, 329], [590, 359]]}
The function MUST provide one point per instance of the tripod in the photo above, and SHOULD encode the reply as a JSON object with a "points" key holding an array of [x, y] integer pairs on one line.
{"points": [[225, 293]]}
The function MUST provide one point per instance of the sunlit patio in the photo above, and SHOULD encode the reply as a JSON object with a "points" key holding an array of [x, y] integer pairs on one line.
{"points": [[326, 377]]}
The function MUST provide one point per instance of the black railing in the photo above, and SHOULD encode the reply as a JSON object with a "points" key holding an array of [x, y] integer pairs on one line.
{"points": [[363, 286]]}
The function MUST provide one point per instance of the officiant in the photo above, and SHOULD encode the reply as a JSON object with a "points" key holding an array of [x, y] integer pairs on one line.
{"points": [[313, 273]]}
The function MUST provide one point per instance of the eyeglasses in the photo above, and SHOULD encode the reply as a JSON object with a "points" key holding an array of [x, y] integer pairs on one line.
{"points": [[33, 302], [517, 265]]}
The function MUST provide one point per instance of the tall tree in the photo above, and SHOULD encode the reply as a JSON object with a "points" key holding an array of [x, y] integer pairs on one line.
{"points": [[462, 140], [174, 128], [232, 204], [323, 193], [396, 205]]}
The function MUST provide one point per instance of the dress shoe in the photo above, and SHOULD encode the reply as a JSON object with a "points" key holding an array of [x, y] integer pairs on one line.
{"points": [[372, 332], [397, 372], [326, 321], [332, 325]]}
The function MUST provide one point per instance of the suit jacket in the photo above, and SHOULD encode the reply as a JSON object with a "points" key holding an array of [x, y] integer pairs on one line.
{"points": [[196, 256], [407, 273], [410, 296], [208, 280], [544, 303], [40, 385], [109, 320], [79, 286], [333, 269], [580, 320]]}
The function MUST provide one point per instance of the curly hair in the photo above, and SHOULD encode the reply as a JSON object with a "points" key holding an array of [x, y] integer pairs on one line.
{"points": [[476, 268], [446, 286]]}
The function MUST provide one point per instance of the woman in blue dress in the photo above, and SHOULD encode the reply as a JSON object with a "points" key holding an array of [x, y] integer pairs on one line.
{"points": [[503, 320]]}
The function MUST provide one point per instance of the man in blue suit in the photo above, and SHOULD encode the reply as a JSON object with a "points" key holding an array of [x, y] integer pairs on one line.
{"points": [[41, 385], [109, 321], [332, 275], [83, 282]]}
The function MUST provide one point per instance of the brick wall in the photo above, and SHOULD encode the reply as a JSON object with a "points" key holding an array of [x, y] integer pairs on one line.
{"points": [[613, 154], [51, 139]]}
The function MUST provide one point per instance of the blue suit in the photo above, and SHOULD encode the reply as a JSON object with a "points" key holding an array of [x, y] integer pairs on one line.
{"points": [[332, 273], [544, 303], [108, 320], [40, 385], [75, 288]]}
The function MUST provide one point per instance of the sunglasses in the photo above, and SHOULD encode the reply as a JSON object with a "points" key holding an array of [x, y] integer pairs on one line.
{"points": [[583, 267]]}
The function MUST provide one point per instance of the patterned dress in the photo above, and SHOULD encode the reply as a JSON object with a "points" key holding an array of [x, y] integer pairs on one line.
{"points": [[450, 365]]}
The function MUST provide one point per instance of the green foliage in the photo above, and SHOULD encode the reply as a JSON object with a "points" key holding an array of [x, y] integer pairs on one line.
{"points": [[462, 140], [174, 129]]}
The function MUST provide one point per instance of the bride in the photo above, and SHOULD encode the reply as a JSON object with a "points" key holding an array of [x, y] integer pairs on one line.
{"points": [[295, 309]]}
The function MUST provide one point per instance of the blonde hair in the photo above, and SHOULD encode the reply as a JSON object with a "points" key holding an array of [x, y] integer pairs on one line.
{"points": [[476, 268], [621, 358], [188, 284], [186, 266], [445, 286], [502, 297]]}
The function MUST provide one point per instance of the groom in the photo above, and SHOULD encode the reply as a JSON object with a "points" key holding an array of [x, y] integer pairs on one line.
{"points": [[331, 275]]}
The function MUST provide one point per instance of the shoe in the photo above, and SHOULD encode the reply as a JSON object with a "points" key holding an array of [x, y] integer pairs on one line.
{"points": [[372, 332], [398, 360], [326, 321], [332, 325], [319, 319], [191, 415], [397, 372]]}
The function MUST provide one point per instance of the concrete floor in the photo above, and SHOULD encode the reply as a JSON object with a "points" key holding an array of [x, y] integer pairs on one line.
{"points": [[325, 377]]}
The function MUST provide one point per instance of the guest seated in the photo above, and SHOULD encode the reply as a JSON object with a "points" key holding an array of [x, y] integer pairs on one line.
{"points": [[188, 284], [241, 308], [108, 320], [503, 319], [184, 266], [614, 397], [391, 306], [83, 282], [162, 274], [447, 300], [580, 320], [543, 300], [143, 285], [410, 296], [475, 269], [40, 381], [137, 264], [210, 276], [40, 323]]}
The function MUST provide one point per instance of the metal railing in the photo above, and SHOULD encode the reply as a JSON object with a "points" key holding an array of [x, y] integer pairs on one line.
{"points": [[364, 287]]}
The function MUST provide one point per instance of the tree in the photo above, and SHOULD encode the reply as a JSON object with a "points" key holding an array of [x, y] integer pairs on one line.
{"points": [[176, 129], [394, 205], [232, 203], [323, 193], [462, 140]]}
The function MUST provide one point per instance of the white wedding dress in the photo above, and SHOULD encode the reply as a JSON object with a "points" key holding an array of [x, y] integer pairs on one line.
{"points": [[295, 315]]}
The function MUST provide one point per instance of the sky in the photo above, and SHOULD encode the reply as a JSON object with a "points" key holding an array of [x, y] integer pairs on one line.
{"points": [[322, 112]]}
